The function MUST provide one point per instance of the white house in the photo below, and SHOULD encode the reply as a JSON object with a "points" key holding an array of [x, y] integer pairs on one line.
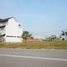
{"points": [[10, 30]]}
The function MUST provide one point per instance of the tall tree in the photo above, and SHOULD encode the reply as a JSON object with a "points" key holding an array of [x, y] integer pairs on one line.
{"points": [[64, 33], [26, 35]]}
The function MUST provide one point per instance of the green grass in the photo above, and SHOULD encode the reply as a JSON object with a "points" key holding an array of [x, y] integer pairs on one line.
{"points": [[37, 45]]}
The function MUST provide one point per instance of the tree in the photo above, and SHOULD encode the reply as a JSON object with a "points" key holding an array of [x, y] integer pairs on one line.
{"points": [[64, 33], [52, 37], [26, 35]]}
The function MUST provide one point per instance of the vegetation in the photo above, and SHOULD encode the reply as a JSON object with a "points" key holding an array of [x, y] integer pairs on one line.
{"points": [[64, 33], [26, 35], [52, 42], [53, 37], [37, 45]]}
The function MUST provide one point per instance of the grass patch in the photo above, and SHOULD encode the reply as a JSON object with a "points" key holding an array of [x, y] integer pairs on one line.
{"points": [[37, 45]]}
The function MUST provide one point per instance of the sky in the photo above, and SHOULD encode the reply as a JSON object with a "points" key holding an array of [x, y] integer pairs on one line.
{"points": [[42, 18]]}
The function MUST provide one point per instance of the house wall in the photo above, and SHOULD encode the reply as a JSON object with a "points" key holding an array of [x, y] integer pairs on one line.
{"points": [[13, 31]]}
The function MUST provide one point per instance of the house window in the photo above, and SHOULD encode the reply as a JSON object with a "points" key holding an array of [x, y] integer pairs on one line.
{"points": [[2, 26], [13, 36], [10, 36], [18, 37], [2, 35], [19, 25]]}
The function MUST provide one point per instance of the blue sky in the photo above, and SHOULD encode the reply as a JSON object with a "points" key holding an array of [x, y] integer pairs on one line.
{"points": [[40, 17]]}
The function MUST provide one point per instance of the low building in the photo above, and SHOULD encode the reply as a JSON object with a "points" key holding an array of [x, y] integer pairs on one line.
{"points": [[10, 30]]}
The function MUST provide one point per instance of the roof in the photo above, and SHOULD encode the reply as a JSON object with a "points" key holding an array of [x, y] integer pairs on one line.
{"points": [[5, 20]]}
